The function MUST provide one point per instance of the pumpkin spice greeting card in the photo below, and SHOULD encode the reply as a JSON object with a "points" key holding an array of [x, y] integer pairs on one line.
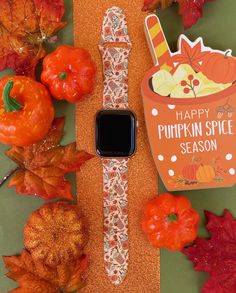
{"points": [[189, 100]]}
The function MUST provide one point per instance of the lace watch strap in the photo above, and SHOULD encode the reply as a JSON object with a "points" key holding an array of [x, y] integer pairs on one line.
{"points": [[115, 96], [116, 249], [115, 59]]}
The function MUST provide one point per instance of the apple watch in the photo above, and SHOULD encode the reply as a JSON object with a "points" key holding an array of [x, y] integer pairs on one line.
{"points": [[115, 141], [115, 133]]}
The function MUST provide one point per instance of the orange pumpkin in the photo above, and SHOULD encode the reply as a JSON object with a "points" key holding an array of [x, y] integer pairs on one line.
{"points": [[219, 68], [55, 234], [189, 172], [205, 174]]}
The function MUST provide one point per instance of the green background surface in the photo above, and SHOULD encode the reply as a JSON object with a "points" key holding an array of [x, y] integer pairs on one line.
{"points": [[177, 275]]}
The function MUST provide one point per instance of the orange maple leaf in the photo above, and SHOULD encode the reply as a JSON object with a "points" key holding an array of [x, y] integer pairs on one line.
{"points": [[37, 277], [42, 166], [24, 27], [190, 55]]}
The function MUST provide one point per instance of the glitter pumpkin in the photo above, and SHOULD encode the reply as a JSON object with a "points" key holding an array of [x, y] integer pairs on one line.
{"points": [[55, 234]]}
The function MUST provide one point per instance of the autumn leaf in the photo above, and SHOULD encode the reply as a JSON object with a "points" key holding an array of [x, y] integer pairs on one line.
{"points": [[192, 55], [150, 5], [76, 281], [42, 166], [190, 10], [216, 255], [37, 277], [24, 27]]}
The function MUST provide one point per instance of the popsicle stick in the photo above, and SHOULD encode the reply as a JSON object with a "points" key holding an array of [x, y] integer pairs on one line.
{"points": [[158, 45]]}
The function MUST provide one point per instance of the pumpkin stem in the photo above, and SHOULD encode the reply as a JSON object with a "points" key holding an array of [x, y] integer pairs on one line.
{"points": [[63, 75], [172, 218], [227, 54], [10, 104]]}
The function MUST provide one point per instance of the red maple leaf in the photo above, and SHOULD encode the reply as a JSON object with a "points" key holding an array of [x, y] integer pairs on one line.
{"points": [[190, 55], [24, 27], [37, 277], [216, 255], [190, 10], [150, 5], [42, 166]]}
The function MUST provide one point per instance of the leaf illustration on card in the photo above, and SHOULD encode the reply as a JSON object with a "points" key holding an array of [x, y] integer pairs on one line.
{"points": [[192, 55]]}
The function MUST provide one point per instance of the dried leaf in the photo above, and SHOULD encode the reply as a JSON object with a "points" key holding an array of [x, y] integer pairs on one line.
{"points": [[24, 26], [192, 55], [216, 255], [43, 165], [37, 277], [77, 279]]}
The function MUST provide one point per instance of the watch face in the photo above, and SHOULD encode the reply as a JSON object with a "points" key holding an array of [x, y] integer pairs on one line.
{"points": [[115, 133]]}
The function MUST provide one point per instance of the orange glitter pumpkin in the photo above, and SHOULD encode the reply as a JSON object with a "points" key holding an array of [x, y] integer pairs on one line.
{"points": [[205, 174], [219, 68], [54, 234]]}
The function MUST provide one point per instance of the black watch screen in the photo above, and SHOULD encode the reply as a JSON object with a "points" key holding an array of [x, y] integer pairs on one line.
{"points": [[115, 133]]}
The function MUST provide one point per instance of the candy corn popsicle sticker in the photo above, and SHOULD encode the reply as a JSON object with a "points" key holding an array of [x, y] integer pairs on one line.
{"points": [[157, 43], [189, 99]]}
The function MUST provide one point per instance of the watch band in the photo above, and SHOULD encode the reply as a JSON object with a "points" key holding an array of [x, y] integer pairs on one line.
{"points": [[115, 205], [115, 171], [115, 59]]}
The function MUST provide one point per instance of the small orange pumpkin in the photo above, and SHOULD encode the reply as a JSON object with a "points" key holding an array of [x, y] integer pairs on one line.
{"points": [[205, 174], [219, 68]]}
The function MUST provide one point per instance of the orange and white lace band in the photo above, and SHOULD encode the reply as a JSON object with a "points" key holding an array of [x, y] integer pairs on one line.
{"points": [[115, 171]]}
